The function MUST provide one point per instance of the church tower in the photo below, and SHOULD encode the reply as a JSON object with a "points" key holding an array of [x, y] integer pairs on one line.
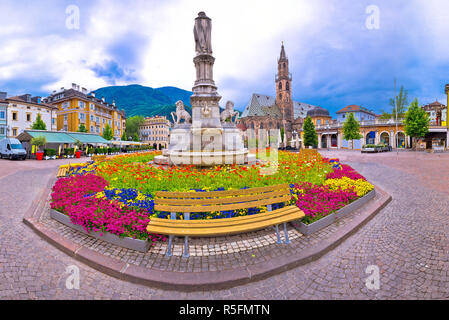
{"points": [[283, 89]]}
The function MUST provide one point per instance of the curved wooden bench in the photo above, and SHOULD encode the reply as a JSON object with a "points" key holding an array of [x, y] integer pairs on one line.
{"points": [[65, 168], [189, 202]]}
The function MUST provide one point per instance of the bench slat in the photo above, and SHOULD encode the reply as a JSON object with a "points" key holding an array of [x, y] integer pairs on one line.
{"points": [[228, 200], [225, 207], [190, 195], [226, 230], [225, 221], [207, 223]]}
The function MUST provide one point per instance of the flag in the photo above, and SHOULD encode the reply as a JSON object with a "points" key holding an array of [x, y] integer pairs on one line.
{"points": [[33, 149]]}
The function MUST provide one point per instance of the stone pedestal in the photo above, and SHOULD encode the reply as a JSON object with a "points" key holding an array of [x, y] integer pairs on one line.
{"points": [[207, 141]]}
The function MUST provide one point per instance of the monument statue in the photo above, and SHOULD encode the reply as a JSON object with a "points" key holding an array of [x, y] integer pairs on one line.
{"points": [[202, 34], [229, 112], [181, 113]]}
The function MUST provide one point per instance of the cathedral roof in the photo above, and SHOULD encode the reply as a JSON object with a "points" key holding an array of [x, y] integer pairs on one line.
{"points": [[263, 105]]}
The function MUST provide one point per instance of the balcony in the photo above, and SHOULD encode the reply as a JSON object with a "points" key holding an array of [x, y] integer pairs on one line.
{"points": [[278, 77]]}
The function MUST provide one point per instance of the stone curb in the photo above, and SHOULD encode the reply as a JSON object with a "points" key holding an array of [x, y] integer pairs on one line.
{"points": [[200, 281]]}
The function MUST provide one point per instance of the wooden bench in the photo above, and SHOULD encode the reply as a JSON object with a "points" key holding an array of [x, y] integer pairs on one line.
{"points": [[65, 168], [62, 172], [191, 202], [99, 157]]}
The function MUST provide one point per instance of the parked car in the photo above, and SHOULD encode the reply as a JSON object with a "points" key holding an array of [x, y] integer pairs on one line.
{"points": [[12, 149]]}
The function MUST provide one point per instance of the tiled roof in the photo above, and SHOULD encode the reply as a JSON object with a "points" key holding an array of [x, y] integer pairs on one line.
{"points": [[355, 108], [263, 105], [300, 109], [23, 100]]}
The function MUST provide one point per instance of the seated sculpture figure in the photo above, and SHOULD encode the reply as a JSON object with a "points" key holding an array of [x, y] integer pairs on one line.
{"points": [[229, 112], [181, 113]]}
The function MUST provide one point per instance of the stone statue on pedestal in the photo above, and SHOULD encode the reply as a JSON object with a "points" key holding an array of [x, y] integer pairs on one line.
{"points": [[202, 34], [181, 113], [229, 112]]}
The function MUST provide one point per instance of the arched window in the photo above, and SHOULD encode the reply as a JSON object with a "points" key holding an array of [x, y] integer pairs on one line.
{"points": [[280, 96], [280, 85], [287, 86], [284, 65]]}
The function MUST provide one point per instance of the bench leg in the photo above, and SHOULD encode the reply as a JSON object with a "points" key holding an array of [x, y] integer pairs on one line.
{"points": [[169, 253], [278, 235], [287, 241], [186, 247]]}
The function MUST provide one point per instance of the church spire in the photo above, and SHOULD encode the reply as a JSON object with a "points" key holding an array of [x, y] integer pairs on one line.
{"points": [[283, 56]]}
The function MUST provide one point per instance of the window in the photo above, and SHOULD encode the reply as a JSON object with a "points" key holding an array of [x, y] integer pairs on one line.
{"points": [[53, 121], [81, 116], [91, 128], [65, 105], [14, 132], [2, 130], [97, 119], [287, 86], [2, 114], [318, 121], [65, 117], [92, 107], [91, 118], [14, 115], [81, 104], [28, 117]]}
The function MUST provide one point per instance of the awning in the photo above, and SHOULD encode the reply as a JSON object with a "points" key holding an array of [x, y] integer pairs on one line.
{"points": [[63, 137], [50, 136], [88, 138]]}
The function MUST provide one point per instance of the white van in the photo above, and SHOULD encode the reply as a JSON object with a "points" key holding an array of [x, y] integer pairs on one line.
{"points": [[12, 149]]}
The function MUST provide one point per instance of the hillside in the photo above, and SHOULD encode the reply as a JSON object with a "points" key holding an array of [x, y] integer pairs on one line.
{"points": [[146, 101]]}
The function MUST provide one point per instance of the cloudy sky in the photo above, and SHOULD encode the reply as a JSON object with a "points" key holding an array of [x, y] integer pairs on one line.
{"points": [[336, 56]]}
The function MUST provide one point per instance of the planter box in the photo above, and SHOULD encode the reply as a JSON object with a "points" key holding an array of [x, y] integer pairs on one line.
{"points": [[307, 229], [355, 205], [368, 150], [130, 243]]}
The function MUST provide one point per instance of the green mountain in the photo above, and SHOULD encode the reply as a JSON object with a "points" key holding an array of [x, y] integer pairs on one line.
{"points": [[145, 101]]}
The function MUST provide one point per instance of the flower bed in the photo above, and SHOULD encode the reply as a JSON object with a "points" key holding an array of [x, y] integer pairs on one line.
{"points": [[116, 195]]}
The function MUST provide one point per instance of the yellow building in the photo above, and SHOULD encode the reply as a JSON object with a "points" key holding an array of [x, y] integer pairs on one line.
{"points": [[155, 131], [76, 107]]}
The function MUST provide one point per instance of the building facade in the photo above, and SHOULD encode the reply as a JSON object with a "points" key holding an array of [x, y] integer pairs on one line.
{"points": [[22, 112], [360, 113], [3, 115], [155, 131], [279, 112], [75, 107]]}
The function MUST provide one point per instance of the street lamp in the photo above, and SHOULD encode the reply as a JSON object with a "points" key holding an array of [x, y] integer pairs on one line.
{"points": [[294, 137]]}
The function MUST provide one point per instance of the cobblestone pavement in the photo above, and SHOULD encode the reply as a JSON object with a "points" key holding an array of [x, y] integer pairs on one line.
{"points": [[408, 241]]}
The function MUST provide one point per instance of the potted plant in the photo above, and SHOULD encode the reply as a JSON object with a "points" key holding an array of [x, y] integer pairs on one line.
{"points": [[39, 142], [79, 145]]}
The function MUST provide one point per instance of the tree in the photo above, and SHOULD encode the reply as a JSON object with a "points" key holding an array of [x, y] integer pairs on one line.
{"points": [[82, 128], [310, 135], [416, 122], [39, 124], [124, 136], [107, 133], [133, 124], [402, 101], [39, 141], [136, 137], [351, 129]]}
